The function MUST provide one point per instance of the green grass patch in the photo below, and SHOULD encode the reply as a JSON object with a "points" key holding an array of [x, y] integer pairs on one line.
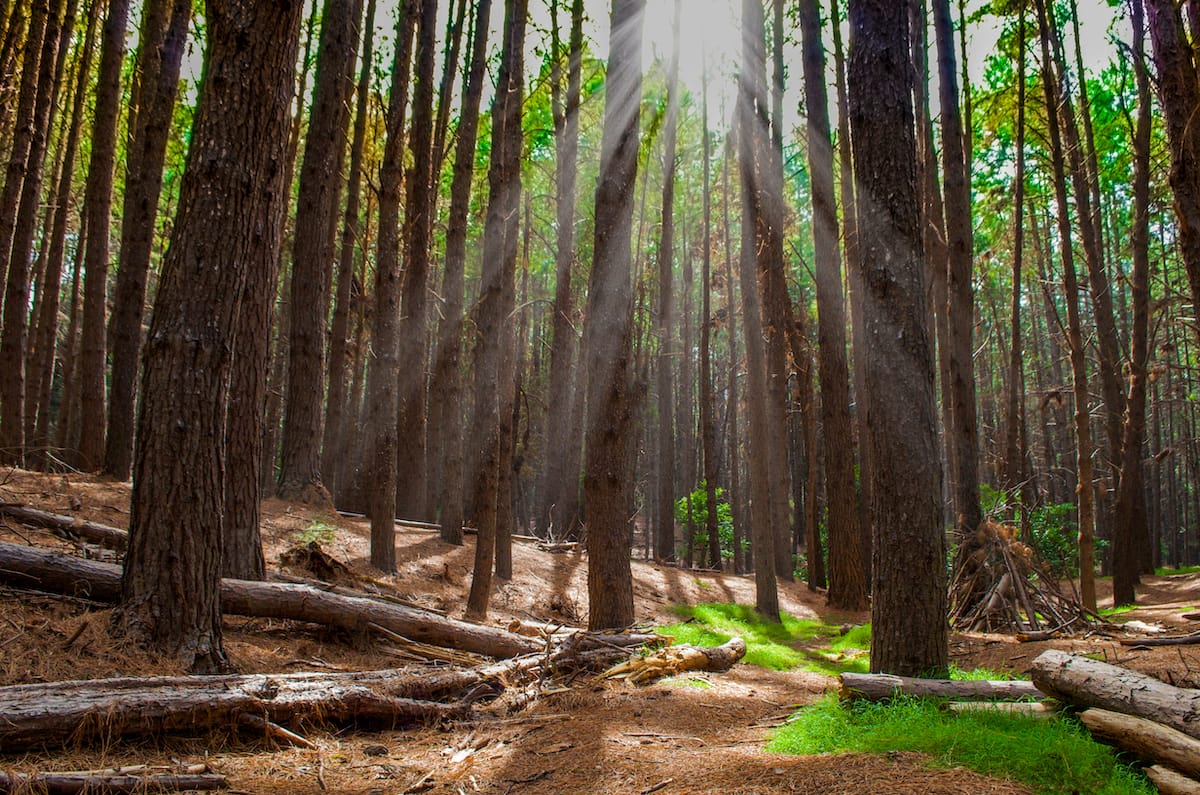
{"points": [[1163, 572], [792, 644], [1051, 756], [1116, 611]]}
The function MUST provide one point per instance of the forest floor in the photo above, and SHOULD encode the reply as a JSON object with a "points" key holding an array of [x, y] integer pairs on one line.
{"points": [[701, 733]]}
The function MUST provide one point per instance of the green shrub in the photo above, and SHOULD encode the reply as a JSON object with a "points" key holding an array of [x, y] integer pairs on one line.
{"points": [[698, 500]]}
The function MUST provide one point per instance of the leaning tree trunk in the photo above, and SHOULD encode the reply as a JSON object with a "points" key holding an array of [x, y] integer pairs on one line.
{"points": [[229, 223]]}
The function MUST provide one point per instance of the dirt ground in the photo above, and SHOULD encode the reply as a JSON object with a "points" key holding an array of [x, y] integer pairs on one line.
{"points": [[696, 734]]}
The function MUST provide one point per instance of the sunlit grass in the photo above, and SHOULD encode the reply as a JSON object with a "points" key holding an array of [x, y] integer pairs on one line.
{"points": [[1164, 572], [1116, 611], [1050, 756], [792, 644]]}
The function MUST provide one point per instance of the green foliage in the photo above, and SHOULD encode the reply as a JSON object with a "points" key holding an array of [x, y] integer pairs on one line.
{"points": [[698, 500], [1050, 756], [1116, 611], [1165, 572], [317, 532], [793, 643], [1055, 534]]}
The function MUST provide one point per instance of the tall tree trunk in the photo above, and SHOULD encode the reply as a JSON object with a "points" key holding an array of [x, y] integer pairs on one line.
{"points": [[737, 499], [335, 448], [847, 578], [162, 37], [608, 336], [750, 130], [708, 428], [41, 370], [35, 126], [416, 236], [97, 207], [1011, 476], [446, 389], [908, 614], [560, 482], [1179, 96], [854, 281], [379, 470], [1083, 430], [313, 250], [1131, 512], [664, 520], [963, 435], [229, 225], [494, 309]]}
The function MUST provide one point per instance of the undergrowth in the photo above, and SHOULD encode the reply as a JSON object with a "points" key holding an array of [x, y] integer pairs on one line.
{"points": [[1050, 756], [1165, 572]]}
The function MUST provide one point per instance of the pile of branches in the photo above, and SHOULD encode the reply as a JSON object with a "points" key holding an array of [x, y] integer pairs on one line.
{"points": [[1000, 585]]}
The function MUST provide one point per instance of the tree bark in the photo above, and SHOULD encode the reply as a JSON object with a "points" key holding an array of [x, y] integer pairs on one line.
{"points": [[847, 577], [609, 330], [909, 634], [1083, 432], [493, 311], [229, 224], [162, 38], [97, 208], [559, 481], [664, 459], [339, 435], [312, 253], [1149, 741], [446, 389], [1090, 683], [379, 470], [416, 238], [881, 687], [23, 183]]}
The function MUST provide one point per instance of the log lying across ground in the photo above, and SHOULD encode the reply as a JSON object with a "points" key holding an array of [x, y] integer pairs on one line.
{"points": [[69, 526], [1090, 683], [31, 567], [96, 783], [1170, 782], [1150, 741], [879, 687], [678, 659]]}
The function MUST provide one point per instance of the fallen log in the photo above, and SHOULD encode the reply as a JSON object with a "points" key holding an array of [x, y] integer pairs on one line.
{"points": [[69, 526], [30, 567], [1030, 709], [879, 687], [1090, 683], [1173, 640], [1170, 782], [101, 783], [1149, 741], [55, 713]]}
